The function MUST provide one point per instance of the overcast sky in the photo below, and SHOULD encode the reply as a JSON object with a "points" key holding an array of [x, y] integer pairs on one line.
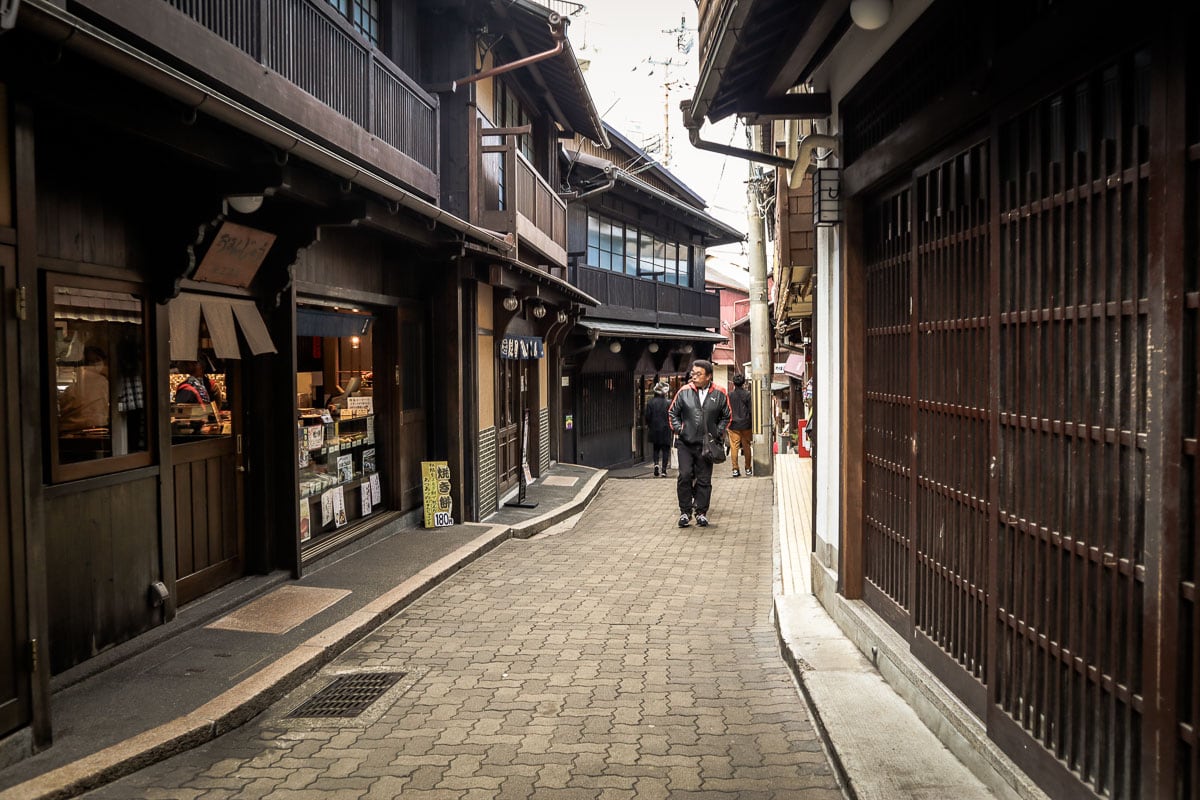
{"points": [[622, 40]]}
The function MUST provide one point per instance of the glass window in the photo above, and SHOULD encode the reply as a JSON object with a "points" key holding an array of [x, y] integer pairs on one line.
{"points": [[631, 251], [98, 351], [362, 14], [339, 455]]}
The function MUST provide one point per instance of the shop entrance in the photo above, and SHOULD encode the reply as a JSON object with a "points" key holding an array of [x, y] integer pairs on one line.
{"points": [[207, 471], [411, 379]]}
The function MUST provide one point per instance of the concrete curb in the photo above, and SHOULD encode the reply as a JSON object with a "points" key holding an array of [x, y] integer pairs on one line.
{"points": [[252, 696], [949, 720]]}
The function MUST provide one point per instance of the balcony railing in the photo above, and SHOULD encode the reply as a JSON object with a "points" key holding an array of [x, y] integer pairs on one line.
{"points": [[514, 198], [637, 299], [309, 44]]}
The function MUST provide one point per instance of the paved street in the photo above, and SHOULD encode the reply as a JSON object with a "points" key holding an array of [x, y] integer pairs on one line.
{"points": [[621, 657]]}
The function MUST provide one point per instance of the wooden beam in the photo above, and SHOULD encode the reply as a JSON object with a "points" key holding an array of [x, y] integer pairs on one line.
{"points": [[815, 105]]}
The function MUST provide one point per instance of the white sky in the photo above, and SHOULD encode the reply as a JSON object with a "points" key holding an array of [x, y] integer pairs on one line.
{"points": [[621, 39]]}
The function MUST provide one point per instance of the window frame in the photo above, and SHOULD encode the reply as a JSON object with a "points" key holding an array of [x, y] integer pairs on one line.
{"points": [[72, 471]]}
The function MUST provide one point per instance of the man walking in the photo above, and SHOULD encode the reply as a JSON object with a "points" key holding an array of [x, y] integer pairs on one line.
{"points": [[699, 409], [739, 424]]}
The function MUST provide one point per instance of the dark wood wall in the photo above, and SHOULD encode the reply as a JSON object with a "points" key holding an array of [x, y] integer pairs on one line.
{"points": [[103, 546]]}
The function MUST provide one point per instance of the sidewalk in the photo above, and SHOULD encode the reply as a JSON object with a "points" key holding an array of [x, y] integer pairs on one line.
{"points": [[199, 679], [879, 744]]}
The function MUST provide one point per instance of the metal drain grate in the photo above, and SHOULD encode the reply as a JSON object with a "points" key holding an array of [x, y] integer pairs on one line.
{"points": [[349, 695]]}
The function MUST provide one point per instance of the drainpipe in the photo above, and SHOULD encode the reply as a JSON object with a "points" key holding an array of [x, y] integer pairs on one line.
{"points": [[558, 32], [693, 129], [571, 197], [808, 146]]}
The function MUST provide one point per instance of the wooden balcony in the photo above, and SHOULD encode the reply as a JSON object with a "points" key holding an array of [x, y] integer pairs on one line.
{"points": [[511, 197], [624, 297], [319, 72]]}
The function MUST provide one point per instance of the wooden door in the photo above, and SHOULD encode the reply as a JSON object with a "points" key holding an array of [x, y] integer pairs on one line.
{"points": [[412, 390], [14, 677], [508, 429], [209, 489]]}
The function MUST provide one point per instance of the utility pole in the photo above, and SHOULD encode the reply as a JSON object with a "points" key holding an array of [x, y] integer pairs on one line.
{"points": [[667, 85], [762, 365]]}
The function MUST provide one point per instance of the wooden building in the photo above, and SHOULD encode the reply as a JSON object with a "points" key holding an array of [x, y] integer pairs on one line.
{"points": [[637, 238], [1007, 306], [252, 266]]}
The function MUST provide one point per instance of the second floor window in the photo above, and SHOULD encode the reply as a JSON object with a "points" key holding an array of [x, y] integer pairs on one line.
{"points": [[362, 14], [511, 114], [613, 245]]}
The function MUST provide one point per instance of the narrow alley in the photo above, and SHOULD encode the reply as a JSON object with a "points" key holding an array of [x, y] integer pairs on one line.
{"points": [[618, 657]]}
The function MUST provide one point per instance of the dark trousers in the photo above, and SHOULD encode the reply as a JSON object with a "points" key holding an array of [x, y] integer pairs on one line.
{"points": [[662, 455], [694, 483]]}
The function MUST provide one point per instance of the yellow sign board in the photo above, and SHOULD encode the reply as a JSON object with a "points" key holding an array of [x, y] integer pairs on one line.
{"points": [[435, 483]]}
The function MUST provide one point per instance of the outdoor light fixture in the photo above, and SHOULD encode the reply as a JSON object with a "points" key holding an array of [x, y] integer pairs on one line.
{"points": [[539, 310], [653, 347], [511, 303], [561, 317], [870, 14], [245, 203], [614, 346], [827, 196]]}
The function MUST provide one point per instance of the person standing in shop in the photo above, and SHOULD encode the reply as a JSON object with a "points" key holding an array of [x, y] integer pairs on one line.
{"points": [[699, 410], [739, 425], [196, 387]]}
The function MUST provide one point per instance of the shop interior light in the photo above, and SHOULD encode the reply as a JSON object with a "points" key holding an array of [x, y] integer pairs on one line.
{"points": [[539, 310], [562, 317], [245, 203], [511, 303], [870, 14], [614, 346], [354, 342], [653, 348]]}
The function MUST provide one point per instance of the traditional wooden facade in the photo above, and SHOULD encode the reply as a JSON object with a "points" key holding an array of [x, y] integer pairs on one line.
{"points": [[293, 201], [1007, 313], [637, 244]]}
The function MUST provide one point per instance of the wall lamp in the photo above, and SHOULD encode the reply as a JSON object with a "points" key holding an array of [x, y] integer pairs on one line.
{"points": [[539, 310], [614, 346], [245, 203], [511, 303], [870, 15]]}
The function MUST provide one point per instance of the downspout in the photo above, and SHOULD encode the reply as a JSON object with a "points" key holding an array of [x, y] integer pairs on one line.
{"points": [[595, 190], [557, 32], [693, 129], [112, 52]]}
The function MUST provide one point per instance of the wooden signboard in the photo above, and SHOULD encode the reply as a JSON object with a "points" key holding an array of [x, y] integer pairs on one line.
{"points": [[235, 255]]}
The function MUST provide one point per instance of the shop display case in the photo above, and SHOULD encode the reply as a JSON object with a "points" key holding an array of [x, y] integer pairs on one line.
{"points": [[338, 481]]}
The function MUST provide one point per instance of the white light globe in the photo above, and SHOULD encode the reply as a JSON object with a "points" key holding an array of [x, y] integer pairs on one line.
{"points": [[870, 14]]}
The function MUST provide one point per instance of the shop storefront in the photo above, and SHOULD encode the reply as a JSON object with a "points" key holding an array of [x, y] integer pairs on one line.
{"points": [[338, 446]]}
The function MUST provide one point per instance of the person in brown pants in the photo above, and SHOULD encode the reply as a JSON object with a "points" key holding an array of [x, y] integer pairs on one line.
{"points": [[739, 425]]}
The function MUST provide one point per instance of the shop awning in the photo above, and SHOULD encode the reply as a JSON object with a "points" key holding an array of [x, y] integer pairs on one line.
{"points": [[632, 330], [795, 366], [219, 314], [331, 324]]}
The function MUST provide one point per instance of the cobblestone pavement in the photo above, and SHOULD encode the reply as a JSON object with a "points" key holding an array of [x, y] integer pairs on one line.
{"points": [[622, 658]]}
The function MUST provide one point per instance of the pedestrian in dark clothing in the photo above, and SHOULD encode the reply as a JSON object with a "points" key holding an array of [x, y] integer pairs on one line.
{"points": [[699, 410], [659, 426], [739, 425]]}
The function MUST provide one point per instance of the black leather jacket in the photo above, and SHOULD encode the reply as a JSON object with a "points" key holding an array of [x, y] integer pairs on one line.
{"points": [[690, 421]]}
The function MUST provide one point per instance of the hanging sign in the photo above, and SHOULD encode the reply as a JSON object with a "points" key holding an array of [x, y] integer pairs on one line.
{"points": [[435, 483], [235, 255], [522, 347]]}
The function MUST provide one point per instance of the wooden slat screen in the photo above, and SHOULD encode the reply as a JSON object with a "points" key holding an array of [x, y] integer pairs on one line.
{"points": [[1074, 328], [888, 401], [952, 323]]}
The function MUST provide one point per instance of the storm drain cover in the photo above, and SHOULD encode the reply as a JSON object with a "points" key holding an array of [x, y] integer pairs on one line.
{"points": [[348, 696]]}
